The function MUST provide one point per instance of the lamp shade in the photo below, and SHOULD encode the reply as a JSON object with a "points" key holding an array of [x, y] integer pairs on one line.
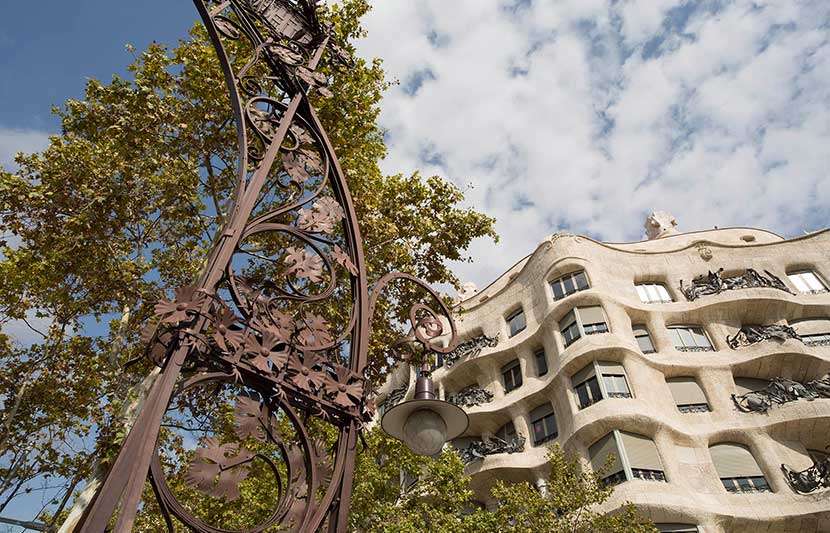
{"points": [[417, 423]]}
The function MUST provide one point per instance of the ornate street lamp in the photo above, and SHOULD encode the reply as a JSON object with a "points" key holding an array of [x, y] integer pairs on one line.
{"points": [[425, 423], [276, 328]]}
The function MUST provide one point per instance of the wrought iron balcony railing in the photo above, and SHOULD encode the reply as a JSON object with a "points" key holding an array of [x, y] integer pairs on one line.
{"points": [[780, 391], [479, 449], [713, 283], [471, 397]]}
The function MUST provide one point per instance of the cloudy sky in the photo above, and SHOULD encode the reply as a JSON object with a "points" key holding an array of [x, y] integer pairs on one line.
{"points": [[585, 115], [579, 115]]}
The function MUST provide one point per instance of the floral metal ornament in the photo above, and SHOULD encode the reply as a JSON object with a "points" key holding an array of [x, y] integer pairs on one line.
{"points": [[714, 283], [275, 331]]}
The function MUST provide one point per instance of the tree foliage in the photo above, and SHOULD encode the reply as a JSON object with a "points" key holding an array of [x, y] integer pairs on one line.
{"points": [[397, 491], [121, 208]]}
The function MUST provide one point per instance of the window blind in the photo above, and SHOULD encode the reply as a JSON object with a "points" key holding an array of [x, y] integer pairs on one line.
{"points": [[685, 390], [734, 460], [641, 451]]}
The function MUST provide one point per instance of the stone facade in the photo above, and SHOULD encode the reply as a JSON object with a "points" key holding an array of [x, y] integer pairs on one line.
{"points": [[685, 486]]}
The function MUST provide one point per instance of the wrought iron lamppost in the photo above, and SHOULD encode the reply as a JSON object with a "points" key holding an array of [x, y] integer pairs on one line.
{"points": [[275, 330]]}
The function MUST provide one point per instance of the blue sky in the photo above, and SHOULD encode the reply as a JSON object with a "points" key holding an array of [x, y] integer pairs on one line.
{"points": [[48, 49], [579, 115]]}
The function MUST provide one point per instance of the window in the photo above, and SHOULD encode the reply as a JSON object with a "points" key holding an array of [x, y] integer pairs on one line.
{"points": [[642, 460], [512, 375], [690, 339], [643, 338], [737, 469], [586, 386], [543, 422], [589, 390], [507, 432], [541, 362], [807, 282], [687, 394], [613, 377], [516, 321], [582, 321], [569, 284], [653, 293], [813, 331]]}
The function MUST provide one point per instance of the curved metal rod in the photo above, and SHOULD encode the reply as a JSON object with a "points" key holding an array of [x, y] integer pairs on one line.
{"points": [[417, 324]]}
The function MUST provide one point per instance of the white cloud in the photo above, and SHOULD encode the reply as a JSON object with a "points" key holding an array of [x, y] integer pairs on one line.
{"points": [[13, 141], [587, 114]]}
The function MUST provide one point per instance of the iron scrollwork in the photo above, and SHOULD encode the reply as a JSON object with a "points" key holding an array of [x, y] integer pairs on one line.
{"points": [[479, 449], [714, 283], [749, 335], [811, 479], [780, 391], [275, 329], [470, 348], [470, 397]]}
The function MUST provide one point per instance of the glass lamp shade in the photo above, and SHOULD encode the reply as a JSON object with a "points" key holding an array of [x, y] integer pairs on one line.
{"points": [[425, 425], [425, 432]]}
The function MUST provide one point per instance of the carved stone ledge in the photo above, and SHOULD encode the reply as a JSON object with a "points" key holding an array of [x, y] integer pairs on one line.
{"points": [[471, 397], [713, 283], [479, 449], [780, 391], [749, 335], [470, 348]]}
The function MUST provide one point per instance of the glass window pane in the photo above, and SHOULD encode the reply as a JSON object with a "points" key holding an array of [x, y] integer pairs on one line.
{"points": [[675, 337], [663, 293], [686, 337], [641, 292], [621, 384], [812, 281], [644, 341], [799, 283], [700, 338], [541, 363], [581, 281], [653, 295], [517, 322], [558, 294], [584, 395], [593, 387], [569, 285], [517, 376]]}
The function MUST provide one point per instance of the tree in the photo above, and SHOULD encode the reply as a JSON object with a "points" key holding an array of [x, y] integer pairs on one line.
{"points": [[122, 207], [569, 505], [397, 491]]}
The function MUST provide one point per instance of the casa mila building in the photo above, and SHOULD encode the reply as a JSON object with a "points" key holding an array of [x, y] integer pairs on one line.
{"points": [[698, 360]]}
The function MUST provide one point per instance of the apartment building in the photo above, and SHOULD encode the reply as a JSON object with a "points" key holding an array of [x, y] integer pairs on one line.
{"points": [[698, 360]]}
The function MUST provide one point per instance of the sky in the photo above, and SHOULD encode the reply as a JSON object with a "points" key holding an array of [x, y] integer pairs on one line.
{"points": [[566, 115], [573, 115]]}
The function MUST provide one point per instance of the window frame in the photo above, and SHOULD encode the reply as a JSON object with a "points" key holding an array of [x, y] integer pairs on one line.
{"points": [[628, 472], [572, 277], [819, 280], [582, 329], [658, 289], [509, 320], [514, 365], [547, 421], [688, 328], [599, 379], [541, 355], [646, 335], [508, 434]]}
